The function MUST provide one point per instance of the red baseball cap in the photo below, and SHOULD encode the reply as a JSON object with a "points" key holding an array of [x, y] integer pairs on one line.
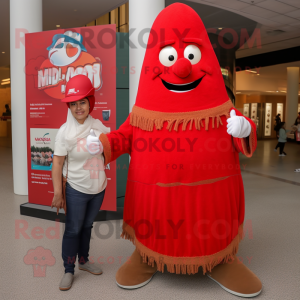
{"points": [[79, 87]]}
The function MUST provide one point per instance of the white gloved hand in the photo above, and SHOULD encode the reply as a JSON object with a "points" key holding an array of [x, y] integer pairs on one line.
{"points": [[238, 127], [93, 144]]}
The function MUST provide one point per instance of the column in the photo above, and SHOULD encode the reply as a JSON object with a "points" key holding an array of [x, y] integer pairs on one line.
{"points": [[141, 16], [25, 16], [292, 96]]}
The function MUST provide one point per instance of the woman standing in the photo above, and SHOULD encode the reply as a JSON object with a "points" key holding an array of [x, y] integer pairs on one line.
{"points": [[282, 139], [277, 119], [84, 188], [297, 131], [277, 124]]}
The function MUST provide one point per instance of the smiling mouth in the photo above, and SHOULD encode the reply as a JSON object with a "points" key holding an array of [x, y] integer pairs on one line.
{"points": [[181, 88]]}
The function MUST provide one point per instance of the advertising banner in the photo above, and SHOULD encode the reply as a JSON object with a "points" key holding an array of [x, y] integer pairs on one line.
{"points": [[52, 58]]}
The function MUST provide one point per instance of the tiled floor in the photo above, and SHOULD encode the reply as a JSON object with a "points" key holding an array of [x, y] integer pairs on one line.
{"points": [[271, 249]]}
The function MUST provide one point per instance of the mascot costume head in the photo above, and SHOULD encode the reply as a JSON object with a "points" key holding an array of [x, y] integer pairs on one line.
{"points": [[180, 63], [180, 74]]}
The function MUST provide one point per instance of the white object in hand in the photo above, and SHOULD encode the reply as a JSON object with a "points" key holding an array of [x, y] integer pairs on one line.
{"points": [[238, 127], [94, 146]]}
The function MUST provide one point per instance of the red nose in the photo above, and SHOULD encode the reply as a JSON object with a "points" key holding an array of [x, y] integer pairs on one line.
{"points": [[182, 68]]}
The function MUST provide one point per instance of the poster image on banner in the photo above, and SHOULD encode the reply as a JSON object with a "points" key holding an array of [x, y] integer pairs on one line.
{"points": [[42, 148], [253, 111], [52, 59], [246, 110], [268, 119]]}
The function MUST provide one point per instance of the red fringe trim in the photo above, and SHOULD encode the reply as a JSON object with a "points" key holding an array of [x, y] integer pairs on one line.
{"points": [[146, 119], [183, 265]]}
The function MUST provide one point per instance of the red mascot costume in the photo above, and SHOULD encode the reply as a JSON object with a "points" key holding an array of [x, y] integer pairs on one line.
{"points": [[184, 202]]}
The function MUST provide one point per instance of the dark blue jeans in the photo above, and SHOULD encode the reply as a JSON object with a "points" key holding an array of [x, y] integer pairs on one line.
{"points": [[82, 210]]}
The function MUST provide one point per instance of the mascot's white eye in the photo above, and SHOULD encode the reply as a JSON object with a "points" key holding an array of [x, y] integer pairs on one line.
{"points": [[168, 56], [193, 54]]}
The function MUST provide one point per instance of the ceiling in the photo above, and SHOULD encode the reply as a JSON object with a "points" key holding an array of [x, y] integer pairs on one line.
{"points": [[271, 79], [278, 22]]}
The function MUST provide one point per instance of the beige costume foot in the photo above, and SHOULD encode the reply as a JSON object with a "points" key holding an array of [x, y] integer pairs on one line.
{"points": [[237, 279], [134, 273]]}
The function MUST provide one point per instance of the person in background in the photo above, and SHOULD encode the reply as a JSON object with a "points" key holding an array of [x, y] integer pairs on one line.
{"points": [[7, 112], [297, 119], [277, 124], [297, 136], [282, 139], [296, 127], [278, 119]]}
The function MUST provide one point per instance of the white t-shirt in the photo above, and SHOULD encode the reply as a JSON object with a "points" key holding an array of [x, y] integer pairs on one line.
{"points": [[86, 172]]}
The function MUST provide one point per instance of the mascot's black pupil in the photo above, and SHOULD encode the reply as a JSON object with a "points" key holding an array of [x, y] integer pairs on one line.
{"points": [[191, 56], [171, 58]]}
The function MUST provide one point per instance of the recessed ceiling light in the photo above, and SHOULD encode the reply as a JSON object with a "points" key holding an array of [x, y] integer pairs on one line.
{"points": [[220, 28], [3, 52], [276, 91], [258, 74], [251, 71], [57, 25]]}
